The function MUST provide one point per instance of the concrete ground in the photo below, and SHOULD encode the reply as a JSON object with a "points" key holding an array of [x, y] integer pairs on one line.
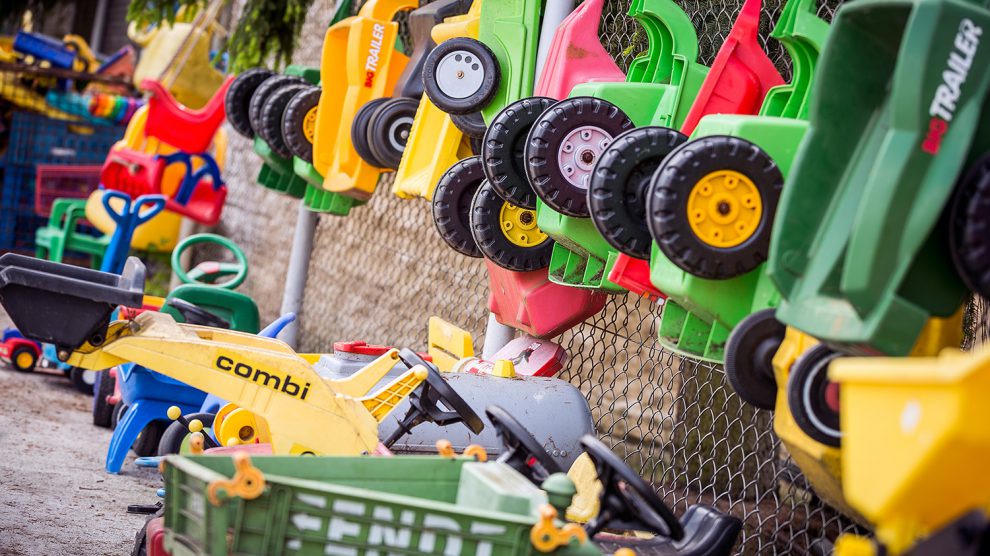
{"points": [[55, 497]]}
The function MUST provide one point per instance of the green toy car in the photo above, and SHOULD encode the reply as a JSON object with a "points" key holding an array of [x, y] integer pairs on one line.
{"points": [[884, 221], [423, 505]]}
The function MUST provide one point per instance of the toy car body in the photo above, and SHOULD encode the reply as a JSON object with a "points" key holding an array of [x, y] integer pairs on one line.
{"points": [[21, 353], [859, 250]]}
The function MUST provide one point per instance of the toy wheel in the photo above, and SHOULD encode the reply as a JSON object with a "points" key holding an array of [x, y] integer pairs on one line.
{"points": [[522, 451], [299, 122], [238, 99], [507, 234], [563, 147], [176, 433], [271, 118], [147, 442], [359, 131], [266, 89], [102, 410], [452, 205], [461, 75], [472, 125], [389, 128], [812, 398], [24, 358], [118, 412], [239, 269], [83, 380], [711, 206], [618, 186], [749, 358], [504, 149], [969, 232]]}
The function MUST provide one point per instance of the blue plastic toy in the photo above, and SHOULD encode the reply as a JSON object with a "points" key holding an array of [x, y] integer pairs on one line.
{"points": [[131, 215]]}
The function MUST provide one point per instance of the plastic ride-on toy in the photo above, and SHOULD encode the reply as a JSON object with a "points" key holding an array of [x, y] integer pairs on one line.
{"points": [[436, 142], [148, 395], [381, 128], [914, 442], [364, 47], [710, 206], [456, 505], [303, 412], [18, 351], [871, 240]]}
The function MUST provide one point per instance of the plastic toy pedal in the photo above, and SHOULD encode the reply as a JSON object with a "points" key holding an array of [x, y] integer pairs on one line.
{"points": [[247, 483], [546, 537]]}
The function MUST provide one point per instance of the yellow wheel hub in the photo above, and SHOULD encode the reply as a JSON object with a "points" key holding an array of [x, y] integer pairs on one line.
{"points": [[309, 124], [24, 360], [724, 208], [519, 226]]}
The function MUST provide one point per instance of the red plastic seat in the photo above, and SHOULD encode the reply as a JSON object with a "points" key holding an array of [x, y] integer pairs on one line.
{"points": [[188, 130]]}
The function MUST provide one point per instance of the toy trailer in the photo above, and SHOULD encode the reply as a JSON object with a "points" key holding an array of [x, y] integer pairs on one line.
{"points": [[883, 223]]}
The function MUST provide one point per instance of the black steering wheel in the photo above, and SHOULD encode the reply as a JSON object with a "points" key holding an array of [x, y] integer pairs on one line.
{"points": [[425, 402], [522, 451], [627, 501], [197, 315]]}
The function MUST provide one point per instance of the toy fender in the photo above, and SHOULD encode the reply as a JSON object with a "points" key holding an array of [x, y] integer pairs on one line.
{"points": [[510, 28], [305, 413]]}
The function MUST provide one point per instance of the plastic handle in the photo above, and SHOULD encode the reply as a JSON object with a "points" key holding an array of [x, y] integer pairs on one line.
{"points": [[277, 325], [118, 217], [155, 204]]}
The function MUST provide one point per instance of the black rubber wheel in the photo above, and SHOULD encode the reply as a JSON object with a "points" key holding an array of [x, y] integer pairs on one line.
{"points": [[504, 149], [473, 124], [147, 442], [176, 432], [389, 129], [238, 99], [808, 395], [618, 186], [969, 232], [359, 131], [83, 380], [266, 89], [271, 118], [118, 412], [452, 205], [701, 181], [299, 122], [493, 219], [563, 147], [461, 75], [15, 356], [102, 410], [749, 358]]}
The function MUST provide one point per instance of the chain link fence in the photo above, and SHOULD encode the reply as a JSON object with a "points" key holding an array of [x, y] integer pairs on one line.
{"points": [[378, 275]]}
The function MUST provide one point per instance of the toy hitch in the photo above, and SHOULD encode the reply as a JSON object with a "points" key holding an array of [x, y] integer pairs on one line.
{"points": [[65, 305]]}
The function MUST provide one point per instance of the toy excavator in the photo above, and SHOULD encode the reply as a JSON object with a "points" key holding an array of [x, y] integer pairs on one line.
{"points": [[305, 414]]}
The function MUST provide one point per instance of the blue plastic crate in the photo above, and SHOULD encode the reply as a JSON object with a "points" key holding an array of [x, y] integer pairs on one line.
{"points": [[18, 221], [36, 139]]}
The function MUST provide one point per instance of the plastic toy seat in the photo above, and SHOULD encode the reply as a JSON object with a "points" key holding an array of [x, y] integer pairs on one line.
{"points": [[60, 234], [188, 130]]}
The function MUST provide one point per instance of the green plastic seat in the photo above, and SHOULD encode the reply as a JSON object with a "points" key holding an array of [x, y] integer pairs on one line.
{"points": [[62, 234], [236, 308]]}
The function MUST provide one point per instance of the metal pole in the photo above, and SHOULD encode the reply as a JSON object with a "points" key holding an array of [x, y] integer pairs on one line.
{"points": [[295, 279], [99, 24]]}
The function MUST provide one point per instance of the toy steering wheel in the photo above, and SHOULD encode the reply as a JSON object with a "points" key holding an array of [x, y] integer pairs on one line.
{"points": [[627, 501], [522, 451], [197, 315], [205, 274], [425, 401]]}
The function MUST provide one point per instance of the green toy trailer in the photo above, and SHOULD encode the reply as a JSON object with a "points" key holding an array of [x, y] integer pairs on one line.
{"points": [[422, 505], [884, 221], [711, 202]]}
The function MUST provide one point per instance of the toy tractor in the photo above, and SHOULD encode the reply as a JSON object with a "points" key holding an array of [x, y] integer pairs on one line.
{"points": [[710, 204], [18, 351], [440, 504], [883, 223]]}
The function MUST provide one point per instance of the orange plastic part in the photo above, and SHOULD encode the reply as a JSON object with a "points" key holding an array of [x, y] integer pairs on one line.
{"points": [[186, 129], [530, 302]]}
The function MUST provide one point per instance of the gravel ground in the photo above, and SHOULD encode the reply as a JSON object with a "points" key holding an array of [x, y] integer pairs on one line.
{"points": [[55, 497]]}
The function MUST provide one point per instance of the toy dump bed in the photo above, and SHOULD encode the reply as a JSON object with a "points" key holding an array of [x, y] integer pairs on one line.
{"points": [[856, 248], [346, 505], [62, 304]]}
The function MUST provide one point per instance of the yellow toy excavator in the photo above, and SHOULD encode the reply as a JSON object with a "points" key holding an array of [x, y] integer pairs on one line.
{"points": [[304, 413]]}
